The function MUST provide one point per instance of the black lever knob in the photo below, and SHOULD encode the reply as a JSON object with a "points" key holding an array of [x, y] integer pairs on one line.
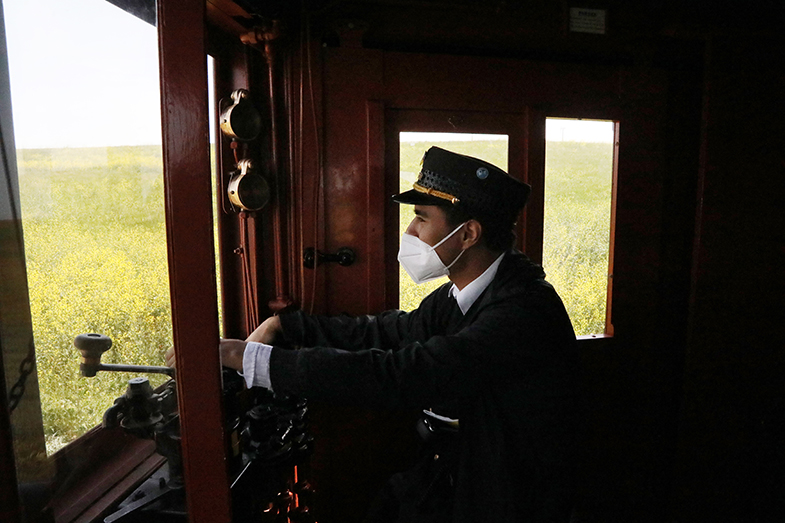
{"points": [[91, 346]]}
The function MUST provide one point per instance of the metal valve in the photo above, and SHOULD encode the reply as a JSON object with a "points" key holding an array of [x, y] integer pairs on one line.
{"points": [[138, 410]]}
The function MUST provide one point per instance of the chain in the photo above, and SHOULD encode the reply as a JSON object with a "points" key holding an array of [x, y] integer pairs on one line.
{"points": [[25, 369]]}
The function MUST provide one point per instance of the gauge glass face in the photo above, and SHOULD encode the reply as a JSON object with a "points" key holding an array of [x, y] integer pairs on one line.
{"points": [[245, 121], [249, 192], [254, 192], [241, 119]]}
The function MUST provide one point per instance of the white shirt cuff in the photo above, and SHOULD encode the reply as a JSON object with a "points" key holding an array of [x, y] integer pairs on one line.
{"points": [[256, 365]]}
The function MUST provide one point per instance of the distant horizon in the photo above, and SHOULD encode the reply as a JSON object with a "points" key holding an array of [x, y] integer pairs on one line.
{"points": [[89, 146], [160, 145], [556, 130]]}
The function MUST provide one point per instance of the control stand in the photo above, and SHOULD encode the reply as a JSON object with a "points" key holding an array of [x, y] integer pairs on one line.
{"points": [[267, 438]]}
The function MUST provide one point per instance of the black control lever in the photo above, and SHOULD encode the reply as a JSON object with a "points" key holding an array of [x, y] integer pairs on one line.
{"points": [[344, 257], [92, 346]]}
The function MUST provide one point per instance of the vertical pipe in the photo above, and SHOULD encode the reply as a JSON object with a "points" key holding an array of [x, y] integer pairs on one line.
{"points": [[291, 223], [282, 299]]}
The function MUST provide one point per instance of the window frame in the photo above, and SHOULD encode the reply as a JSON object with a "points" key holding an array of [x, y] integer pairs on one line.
{"points": [[608, 333]]}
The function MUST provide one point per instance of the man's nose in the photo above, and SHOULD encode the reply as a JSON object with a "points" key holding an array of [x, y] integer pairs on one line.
{"points": [[411, 229]]}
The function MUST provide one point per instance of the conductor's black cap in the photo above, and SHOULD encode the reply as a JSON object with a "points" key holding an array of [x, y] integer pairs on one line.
{"points": [[475, 186]]}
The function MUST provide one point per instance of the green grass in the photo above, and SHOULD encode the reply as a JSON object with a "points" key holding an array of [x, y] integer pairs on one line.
{"points": [[95, 244], [578, 180]]}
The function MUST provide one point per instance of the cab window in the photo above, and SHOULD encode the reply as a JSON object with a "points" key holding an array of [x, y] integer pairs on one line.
{"points": [[88, 143]]}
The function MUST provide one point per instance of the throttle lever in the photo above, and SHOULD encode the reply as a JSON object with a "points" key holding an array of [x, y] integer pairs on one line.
{"points": [[92, 346]]}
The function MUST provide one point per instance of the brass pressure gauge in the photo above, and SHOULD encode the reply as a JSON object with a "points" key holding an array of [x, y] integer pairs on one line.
{"points": [[241, 120], [247, 190]]}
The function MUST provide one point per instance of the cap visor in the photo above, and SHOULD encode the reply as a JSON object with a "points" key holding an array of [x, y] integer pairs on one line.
{"points": [[413, 197]]}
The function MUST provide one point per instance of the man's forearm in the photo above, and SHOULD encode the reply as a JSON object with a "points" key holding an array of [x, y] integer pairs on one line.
{"points": [[232, 353], [267, 331]]}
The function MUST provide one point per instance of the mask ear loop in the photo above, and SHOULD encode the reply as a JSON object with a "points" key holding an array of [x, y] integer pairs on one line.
{"points": [[455, 260], [449, 235], [447, 238]]}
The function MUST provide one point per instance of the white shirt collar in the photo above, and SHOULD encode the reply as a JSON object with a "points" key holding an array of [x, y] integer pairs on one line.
{"points": [[469, 294]]}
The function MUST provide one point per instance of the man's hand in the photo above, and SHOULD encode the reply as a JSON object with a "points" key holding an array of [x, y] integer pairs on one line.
{"points": [[267, 331], [232, 350], [232, 353], [169, 357]]}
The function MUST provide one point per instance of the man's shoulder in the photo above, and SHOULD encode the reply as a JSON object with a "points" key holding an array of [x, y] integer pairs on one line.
{"points": [[516, 269]]}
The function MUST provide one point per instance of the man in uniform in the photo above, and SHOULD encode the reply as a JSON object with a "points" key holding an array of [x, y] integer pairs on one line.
{"points": [[490, 357]]}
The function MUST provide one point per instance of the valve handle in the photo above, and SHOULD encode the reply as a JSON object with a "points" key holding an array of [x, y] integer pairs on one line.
{"points": [[91, 346]]}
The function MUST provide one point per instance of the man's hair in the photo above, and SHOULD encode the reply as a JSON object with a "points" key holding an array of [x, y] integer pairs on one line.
{"points": [[496, 235]]}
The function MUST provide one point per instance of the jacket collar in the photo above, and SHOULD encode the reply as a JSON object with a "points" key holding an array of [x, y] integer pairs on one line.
{"points": [[469, 294]]}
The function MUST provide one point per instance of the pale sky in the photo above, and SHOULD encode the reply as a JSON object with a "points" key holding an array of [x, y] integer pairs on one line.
{"points": [[83, 73]]}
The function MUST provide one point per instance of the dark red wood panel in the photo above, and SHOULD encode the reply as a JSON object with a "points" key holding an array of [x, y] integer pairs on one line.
{"points": [[377, 202], [730, 450], [183, 63], [354, 77]]}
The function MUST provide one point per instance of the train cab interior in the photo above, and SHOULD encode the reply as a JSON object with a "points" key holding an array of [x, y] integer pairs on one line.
{"points": [[281, 129]]}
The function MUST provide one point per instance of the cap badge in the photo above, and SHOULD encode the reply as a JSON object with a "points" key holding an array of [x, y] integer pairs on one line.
{"points": [[482, 173]]}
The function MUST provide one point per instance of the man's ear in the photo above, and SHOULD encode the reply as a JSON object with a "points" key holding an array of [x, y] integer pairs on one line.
{"points": [[472, 233]]}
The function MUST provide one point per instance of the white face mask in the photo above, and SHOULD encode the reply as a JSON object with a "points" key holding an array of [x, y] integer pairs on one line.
{"points": [[420, 259]]}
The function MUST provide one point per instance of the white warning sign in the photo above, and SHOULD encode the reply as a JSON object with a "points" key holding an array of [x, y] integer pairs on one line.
{"points": [[587, 20]]}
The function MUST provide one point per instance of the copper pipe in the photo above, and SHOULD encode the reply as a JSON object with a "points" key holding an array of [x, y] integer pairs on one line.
{"points": [[290, 219], [282, 299], [261, 38], [249, 287]]}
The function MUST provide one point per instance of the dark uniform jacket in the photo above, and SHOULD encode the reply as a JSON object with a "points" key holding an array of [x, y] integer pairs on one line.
{"points": [[506, 369]]}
